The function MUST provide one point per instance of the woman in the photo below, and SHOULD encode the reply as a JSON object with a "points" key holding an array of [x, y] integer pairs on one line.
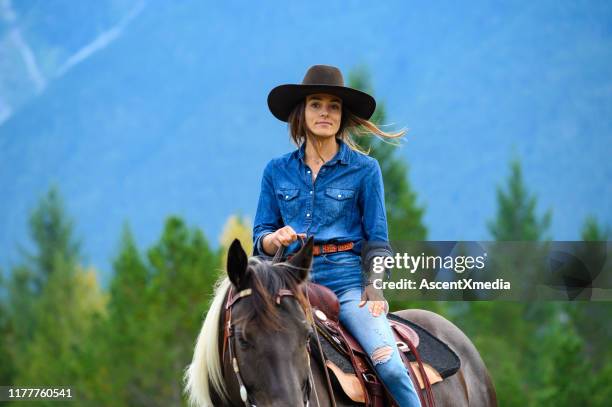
{"points": [[330, 189]]}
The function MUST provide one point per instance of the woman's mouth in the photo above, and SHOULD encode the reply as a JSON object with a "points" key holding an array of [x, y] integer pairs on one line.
{"points": [[325, 123]]}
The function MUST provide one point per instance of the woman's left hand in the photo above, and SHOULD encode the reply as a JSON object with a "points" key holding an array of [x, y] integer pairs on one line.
{"points": [[375, 300]]}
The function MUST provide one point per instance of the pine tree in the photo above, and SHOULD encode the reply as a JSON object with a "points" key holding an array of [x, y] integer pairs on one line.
{"points": [[516, 218], [404, 215], [118, 346], [51, 231], [182, 272], [505, 332], [7, 368], [64, 315], [592, 231]]}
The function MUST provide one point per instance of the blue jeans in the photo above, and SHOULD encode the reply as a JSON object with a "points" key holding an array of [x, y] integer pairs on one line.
{"points": [[341, 272]]}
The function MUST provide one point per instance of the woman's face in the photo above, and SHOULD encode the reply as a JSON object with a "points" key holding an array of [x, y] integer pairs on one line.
{"points": [[323, 114]]}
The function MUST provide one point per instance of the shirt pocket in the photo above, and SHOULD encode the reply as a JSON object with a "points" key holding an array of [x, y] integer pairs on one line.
{"points": [[338, 206], [289, 203]]}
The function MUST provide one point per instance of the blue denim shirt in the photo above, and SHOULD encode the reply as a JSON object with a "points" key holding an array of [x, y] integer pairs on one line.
{"points": [[345, 203]]}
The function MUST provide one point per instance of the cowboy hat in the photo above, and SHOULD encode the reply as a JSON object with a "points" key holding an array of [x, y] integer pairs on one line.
{"points": [[319, 79]]}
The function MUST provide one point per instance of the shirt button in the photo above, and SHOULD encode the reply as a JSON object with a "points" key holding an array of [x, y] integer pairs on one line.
{"points": [[286, 196], [310, 192], [339, 196], [308, 171], [308, 215]]}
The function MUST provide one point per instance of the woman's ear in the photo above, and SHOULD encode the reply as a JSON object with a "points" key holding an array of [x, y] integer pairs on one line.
{"points": [[302, 260], [237, 264]]}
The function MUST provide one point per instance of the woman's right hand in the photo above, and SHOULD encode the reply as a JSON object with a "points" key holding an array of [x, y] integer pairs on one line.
{"points": [[281, 237]]}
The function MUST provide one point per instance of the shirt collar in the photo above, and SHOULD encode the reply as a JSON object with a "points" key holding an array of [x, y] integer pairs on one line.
{"points": [[342, 155]]}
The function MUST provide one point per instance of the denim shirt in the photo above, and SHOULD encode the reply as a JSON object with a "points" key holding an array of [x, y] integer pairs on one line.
{"points": [[345, 203]]}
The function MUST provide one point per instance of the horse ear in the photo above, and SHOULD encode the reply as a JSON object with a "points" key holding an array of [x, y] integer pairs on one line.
{"points": [[237, 263], [302, 260]]}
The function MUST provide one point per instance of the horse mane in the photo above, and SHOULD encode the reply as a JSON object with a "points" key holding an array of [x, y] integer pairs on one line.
{"points": [[206, 367]]}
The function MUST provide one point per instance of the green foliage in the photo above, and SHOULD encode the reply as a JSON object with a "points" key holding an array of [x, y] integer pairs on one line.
{"points": [[63, 317], [182, 272], [516, 218], [129, 347], [404, 215], [56, 250], [51, 231], [7, 368], [592, 231]]}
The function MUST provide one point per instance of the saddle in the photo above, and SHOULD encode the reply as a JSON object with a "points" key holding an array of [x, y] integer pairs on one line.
{"points": [[351, 367]]}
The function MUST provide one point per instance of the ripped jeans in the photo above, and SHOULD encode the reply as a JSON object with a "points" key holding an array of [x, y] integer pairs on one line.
{"points": [[376, 341], [341, 272]]}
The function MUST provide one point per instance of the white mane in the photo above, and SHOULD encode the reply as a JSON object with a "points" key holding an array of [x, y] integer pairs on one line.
{"points": [[205, 367]]}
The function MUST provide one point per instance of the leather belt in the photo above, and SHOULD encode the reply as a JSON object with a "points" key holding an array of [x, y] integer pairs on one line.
{"points": [[329, 248]]}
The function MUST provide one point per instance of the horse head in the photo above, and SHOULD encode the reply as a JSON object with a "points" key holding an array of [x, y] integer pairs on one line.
{"points": [[270, 327]]}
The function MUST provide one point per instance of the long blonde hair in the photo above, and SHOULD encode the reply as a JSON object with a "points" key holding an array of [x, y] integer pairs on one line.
{"points": [[350, 125]]}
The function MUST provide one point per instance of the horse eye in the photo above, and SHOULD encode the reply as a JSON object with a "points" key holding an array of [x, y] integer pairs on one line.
{"points": [[244, 344]]}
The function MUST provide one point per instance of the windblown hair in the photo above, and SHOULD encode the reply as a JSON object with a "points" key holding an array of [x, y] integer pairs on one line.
{"points": [[350, 125], [206, 367]]}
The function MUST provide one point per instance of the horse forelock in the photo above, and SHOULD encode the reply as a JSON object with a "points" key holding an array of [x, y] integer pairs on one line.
{"points": [[267, 280]]}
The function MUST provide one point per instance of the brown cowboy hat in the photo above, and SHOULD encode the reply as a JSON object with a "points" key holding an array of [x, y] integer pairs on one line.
{"points": [[320, 79]]}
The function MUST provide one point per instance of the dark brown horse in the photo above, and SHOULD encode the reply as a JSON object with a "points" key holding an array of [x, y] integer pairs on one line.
{"points": [[270, 341]]}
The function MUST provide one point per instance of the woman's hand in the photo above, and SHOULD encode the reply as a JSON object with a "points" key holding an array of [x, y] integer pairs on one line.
{"points": [[375, 300], [281, 237]]}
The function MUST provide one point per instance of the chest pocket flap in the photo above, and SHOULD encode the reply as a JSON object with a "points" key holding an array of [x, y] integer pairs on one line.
{"points": [[339, 194], [287, 194]]}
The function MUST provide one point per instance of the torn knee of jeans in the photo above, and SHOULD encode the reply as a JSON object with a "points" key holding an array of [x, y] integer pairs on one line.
{"points": [[382, 354]]}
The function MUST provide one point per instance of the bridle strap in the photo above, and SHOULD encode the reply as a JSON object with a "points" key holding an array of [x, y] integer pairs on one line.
{"points": [[228, 333]]}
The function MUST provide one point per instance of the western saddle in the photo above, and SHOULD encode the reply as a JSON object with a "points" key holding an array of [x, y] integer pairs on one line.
{"points": [[364, 386]]}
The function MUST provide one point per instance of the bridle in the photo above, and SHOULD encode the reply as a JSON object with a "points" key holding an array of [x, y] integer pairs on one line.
{"points": [[228, 338]]}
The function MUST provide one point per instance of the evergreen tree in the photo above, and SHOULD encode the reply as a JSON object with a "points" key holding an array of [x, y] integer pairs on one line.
{"points": [[183, 270], [64, 316], [404, 215], [7, 368], [592, 231], [516, 218], [51, 231], [506, 332], [118, 344]]}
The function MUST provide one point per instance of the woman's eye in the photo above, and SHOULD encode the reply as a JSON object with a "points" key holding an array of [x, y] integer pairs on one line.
{"points": [[315, 105], [335, 107]]}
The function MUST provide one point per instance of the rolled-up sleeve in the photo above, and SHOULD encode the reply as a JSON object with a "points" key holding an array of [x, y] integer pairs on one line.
{"points": [[268, 217], [374, 216]]}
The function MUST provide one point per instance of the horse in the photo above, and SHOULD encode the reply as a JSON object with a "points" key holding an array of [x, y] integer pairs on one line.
{"points": [[265, 360]]}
